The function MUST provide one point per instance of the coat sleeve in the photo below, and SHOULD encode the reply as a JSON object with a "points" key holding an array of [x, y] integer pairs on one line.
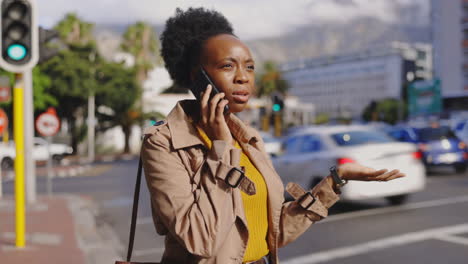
{"points": [[295, 220], [199, 215]]}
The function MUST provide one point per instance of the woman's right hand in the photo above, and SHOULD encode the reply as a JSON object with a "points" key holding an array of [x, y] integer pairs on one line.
{"points": [[213, 120]]}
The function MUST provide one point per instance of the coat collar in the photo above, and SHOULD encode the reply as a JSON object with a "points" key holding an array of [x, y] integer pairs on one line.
{"points": [[184, 134]]}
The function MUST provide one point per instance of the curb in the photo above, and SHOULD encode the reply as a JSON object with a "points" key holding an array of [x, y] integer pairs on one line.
{"points": [[98, 241]]}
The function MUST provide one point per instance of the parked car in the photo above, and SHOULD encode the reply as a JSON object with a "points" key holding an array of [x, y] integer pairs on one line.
{"points": [[40, 152], [461, 130], [272, 144], [309, 153], [440, 146]]}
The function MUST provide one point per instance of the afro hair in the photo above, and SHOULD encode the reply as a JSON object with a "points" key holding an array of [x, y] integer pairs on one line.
{"points": [[183, 39]]}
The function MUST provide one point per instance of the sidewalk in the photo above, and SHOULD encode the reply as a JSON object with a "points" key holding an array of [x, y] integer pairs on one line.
{"points": [[59, 229]]}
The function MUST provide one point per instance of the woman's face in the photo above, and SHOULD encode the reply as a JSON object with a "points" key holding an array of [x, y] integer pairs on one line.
{"points": [[230, 65]]}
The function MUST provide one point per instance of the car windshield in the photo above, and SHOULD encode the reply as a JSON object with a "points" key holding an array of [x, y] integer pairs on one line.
{"points": [[353, 138], [429, 133]]}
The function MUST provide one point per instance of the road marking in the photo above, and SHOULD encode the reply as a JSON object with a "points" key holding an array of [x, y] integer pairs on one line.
{"points": [[392, 209], [454, 239], [149, 251], [344, 252]]}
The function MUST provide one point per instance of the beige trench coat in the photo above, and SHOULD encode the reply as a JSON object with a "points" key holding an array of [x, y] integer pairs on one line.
{"points": [[201, 216]]}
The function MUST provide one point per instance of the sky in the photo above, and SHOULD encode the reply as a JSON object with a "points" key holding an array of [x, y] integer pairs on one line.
{"points": [[250, 18]]}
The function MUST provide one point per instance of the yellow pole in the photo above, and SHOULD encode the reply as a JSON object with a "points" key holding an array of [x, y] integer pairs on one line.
{"points": [[18, 134]]}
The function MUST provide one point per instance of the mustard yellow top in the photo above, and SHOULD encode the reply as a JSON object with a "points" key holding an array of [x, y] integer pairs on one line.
{"points": [[255, 207]]}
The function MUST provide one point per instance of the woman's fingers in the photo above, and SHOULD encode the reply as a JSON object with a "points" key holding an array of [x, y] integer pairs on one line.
{"points": [[213, 106], [378, 172], [220, 110], [389, 175], [204, 104]]}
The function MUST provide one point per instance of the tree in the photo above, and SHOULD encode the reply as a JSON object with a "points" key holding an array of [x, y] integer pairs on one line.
{"points": [[386, 110], [140, 40], [271, 81], [73, 72], [73, 31], [119, 92]]}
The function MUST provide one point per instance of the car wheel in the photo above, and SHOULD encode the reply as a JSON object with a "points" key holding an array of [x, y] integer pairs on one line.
{"points": [[7, 163], [460, 168], [56, 159], [397, 199]]}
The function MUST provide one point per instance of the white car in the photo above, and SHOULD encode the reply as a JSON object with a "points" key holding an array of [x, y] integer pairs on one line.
{"points": [[310, 152], [272, 144], [40, 152]]}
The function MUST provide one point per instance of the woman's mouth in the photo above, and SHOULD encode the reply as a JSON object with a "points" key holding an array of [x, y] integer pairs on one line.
{"points": [[240, 97]]}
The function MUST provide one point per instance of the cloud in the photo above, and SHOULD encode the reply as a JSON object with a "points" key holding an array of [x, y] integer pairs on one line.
{"points": [[250, 18]]}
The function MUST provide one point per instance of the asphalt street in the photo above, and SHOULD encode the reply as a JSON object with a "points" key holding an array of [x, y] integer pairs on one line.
{"points": [[432, 227]]}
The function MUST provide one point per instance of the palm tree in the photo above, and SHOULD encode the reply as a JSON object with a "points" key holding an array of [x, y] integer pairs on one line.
{"points": [[140, 40], [271, 81], [74, 31]]}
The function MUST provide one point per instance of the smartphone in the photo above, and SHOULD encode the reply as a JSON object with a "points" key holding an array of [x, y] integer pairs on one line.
{"points": [[200, 83]]}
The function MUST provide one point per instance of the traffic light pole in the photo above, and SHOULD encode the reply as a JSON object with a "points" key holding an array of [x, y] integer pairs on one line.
{"points": [[18, 131], [30, 166]]}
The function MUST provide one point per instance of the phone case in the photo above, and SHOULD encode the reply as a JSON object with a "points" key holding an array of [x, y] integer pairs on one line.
{"points": [[200, 83]]}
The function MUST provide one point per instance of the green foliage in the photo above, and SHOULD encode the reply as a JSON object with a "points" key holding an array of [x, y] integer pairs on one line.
{"points": [[119, 91], [140, 40], [74, 31], [271, 81], [386, 110], [322, 118], [41, 84]]}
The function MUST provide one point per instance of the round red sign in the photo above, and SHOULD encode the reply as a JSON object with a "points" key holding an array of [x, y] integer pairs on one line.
{"points": [[48, 124], [3, 121]]}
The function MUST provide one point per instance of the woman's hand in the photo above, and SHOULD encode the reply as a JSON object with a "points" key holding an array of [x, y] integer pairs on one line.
{"points": [[212, 120], [357, 172]]}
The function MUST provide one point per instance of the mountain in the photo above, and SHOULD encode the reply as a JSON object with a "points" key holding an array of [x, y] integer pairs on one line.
{"points": [[316, 38], [334, 38]]}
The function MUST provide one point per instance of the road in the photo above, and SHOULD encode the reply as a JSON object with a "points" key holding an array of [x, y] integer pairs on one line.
{"points": [[431, 228]]}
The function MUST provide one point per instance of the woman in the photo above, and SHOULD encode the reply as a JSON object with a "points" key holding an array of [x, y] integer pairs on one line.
{"points": [[215, 194]]}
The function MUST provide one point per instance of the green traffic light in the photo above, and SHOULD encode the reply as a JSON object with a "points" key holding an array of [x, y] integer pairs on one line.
{"points": [[276, 107], [17, 52]]}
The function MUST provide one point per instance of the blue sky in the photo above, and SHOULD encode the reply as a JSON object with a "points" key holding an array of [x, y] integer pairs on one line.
{"points": [[250, 18]]}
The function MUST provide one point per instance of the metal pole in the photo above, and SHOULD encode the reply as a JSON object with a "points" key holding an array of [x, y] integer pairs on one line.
{"points": [[91, 124], [49, 168], [30, 164], [18, 128], [91, 114]]}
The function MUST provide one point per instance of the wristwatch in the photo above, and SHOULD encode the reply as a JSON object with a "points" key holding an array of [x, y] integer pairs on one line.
{"points": [[336, 178]]}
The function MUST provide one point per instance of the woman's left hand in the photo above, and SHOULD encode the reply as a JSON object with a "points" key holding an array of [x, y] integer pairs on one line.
{"points": [[358, 172]]}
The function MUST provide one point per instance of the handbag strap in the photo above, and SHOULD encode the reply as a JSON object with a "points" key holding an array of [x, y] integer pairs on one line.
{"points": [[136, 197]]}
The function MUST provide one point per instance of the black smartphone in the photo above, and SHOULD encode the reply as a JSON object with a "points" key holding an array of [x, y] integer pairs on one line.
{"points": [[200, 83]]}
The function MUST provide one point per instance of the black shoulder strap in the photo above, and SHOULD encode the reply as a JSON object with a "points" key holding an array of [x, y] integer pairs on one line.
{"points": [[136, 197]]}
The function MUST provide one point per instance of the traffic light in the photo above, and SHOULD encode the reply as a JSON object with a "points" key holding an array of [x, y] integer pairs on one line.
{"points": [[45, 51], [19, 35], [278, 103]]}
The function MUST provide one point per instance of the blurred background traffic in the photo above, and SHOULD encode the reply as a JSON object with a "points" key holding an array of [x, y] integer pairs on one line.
{"points": [[382, 83]]}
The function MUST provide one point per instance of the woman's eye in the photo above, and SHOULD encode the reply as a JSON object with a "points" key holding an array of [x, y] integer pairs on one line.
{"points": [[227, 66], [251, 67]]}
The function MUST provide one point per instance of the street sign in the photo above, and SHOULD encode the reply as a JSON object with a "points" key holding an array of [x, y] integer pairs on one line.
{"points": [[48, 123], [5, 89], [424, 98], [3, 121]]}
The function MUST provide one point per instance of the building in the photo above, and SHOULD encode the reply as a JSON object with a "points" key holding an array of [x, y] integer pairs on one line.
{"points": [[343, 85], [450, 44]]}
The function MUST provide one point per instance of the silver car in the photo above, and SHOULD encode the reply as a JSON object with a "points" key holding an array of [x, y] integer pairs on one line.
{"points": [[309, 153]]}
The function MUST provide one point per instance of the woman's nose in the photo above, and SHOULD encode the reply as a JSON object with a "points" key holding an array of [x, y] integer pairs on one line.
{"points": [[241, 76]]}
